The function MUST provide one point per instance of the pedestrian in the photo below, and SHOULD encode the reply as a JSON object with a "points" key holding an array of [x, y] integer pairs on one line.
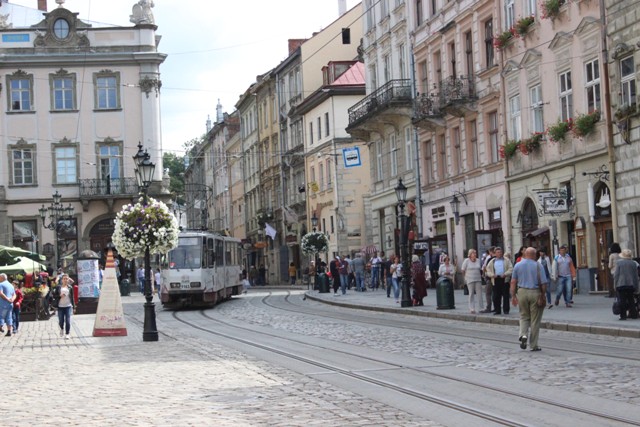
{"points": [[472, 270], [358, 265], [419, 281], [140, 279], [386, 274], [446, 268], [334, 271], [351, 277], [614, 255], [157, 277], [499, 272], [563, 272], [396, 275], [625, 281], [17, 304], [253, 275], [293, 272], [343, 269], [63, 295], [262, 275], [545, 263], [7, 296], [487, 284], [376, 264], [532, 282], [518, 257]]}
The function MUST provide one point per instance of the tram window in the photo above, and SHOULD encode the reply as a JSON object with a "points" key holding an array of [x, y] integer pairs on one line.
{"points": [[219, 252], [210, 253]]}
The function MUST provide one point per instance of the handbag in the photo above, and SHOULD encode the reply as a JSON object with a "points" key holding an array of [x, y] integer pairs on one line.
{"points": [[541, 301], [466, 289], [616, 307]]}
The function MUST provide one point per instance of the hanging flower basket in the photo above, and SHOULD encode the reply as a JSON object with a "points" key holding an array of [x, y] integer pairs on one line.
{"points": [[314, 242], [558, 131], [501, 40], [625, 111], [585, 124], [509, 149], [551, 8], [141, 225], [522, 25]]}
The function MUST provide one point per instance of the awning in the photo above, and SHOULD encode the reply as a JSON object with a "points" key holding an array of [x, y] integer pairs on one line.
{"points": [[538, 232]]}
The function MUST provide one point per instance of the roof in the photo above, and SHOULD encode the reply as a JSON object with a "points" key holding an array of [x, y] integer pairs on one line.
{"points": [[353, 76]]}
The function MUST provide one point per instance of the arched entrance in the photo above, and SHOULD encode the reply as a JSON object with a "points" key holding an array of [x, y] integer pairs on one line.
{"points": [[604, 235], [532, 234]]}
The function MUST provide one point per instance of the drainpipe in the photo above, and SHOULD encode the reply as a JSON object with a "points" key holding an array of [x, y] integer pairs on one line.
{"points": [[508, 240], [606, 110], [414, 96]]}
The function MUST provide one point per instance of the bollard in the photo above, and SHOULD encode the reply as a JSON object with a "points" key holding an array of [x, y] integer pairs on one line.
{"points": [[324, 283], [444, 294], [125, 288]]}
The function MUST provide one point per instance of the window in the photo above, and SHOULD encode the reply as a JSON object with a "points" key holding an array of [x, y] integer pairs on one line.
{"points": [[424, 78], [468, 52], [329, 175], [472, 147], [509, 13], [65, 165], [592, 82], [488, 43], [310, 133], [386, 71], [370, 17], [22, 165], [627, 81], [409, 152], [384, 9], [442, 164], [313, 174], [373, 70], [515, 124], [530, 7], [452, 54], [110, 161], [24, 235], [61, 28], [393, 154], [326, 124], [537, 118], [21, 91], [566, 96], [321, 173], [107, 92], [429, 164], [402, 66], [437, 63], [319, 129], [456, 153], [379, 170], [493, 136], [418, 12], [63, 91], [434, 7]]}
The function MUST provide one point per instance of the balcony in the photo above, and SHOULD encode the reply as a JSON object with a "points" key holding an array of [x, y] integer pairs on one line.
{"points": [[427, 113], [458, 95], [386, 104], [108, 188]]}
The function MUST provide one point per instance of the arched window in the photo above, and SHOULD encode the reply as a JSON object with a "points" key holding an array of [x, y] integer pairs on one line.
{"points": [[529, 217]]}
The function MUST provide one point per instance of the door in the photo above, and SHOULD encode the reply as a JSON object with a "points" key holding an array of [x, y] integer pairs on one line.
{"points": [[604, 239]]}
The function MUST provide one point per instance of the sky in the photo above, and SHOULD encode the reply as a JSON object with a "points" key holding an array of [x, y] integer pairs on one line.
{"points": [[215, 49]]}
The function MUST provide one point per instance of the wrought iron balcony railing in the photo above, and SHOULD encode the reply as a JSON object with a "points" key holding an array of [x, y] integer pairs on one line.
{"points": [[392, 93], [427, 106], [108, 187], [457, 89]]}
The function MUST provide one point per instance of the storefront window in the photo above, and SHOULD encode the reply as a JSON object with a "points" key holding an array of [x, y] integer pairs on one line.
{"points": [[24, 235]]}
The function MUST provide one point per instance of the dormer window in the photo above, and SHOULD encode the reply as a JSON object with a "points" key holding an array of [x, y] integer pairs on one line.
{"points": [[61, 29]]}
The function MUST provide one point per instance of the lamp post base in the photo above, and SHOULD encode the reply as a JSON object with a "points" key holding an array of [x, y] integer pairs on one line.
{"points": [[406, 294], [149, 332]]}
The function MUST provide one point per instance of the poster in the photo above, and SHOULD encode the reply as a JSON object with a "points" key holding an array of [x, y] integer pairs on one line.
{"points": [[88, 278], [109, 315]]}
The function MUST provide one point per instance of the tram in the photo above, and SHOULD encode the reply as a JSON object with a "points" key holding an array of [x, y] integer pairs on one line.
{"points": [[203, 270]]}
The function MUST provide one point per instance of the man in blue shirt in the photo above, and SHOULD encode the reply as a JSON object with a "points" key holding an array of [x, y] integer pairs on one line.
{"points": [[532, 282], [7, 295]]}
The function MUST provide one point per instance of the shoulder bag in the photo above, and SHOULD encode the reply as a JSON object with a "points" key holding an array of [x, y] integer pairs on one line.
{"points": [[541, 301]]}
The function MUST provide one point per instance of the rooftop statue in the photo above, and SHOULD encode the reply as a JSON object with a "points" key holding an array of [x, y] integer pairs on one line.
{"points": [[141, 12]]}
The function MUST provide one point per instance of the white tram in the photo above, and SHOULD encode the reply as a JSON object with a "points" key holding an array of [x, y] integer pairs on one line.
{"points": [[203, 270]]}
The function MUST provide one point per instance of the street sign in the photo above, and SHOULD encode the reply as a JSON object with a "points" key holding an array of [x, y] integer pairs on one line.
{"points": [[351, 157]]}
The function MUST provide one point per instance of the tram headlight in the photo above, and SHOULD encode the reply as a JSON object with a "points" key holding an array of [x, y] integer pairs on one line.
{"points": [[174, 285], [195, 284]]}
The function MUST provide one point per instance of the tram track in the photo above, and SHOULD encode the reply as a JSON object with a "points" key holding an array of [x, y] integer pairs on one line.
{"points": [[426, 375]]}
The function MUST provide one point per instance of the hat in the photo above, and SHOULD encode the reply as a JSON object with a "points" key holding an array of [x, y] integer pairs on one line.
{"points": [[626, 254], [415, 258], [337, 257]]}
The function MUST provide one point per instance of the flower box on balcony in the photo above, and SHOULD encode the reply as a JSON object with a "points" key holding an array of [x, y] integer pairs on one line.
{"points": [[509, 149], [558, 131], [501, 40], [585, 124], [551, 8], [522, 25]]}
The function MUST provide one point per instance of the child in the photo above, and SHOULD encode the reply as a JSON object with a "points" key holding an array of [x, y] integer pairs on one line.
{"points": [[292, 273]]}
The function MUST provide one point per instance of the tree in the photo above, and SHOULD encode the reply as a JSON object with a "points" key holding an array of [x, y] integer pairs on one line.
{"points": [[175, 164]]}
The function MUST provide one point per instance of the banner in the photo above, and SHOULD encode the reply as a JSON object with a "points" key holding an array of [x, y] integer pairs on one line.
{"points": [[110, 315]]}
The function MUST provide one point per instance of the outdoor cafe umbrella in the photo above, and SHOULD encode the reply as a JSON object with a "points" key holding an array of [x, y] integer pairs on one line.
{"points": [[24, 264], [9, 254]]}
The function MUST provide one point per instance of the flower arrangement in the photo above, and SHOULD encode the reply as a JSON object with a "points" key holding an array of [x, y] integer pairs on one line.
{"points": [[625, 111], [522, 25], [533, 142], [509, 149], [558, 131], [142, 224], [314, 242], [551, 8], [585, 124], [502, 39]]}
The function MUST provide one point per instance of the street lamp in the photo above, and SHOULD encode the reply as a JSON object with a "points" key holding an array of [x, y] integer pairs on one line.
{"points": [[455, 205], [314, 222], [56, 212], [144, 175], [401, 194]]}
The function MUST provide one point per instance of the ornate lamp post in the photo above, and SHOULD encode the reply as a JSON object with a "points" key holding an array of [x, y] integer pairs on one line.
{"points": [[314, 222], [144, 175], [56, 212], [401, 194]]}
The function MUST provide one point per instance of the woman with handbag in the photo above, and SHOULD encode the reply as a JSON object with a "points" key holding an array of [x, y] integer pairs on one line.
{"points": [[63, 294], [472, 268]]}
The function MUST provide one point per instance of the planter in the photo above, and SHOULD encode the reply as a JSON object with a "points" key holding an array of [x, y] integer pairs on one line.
{"points": [[522, 25], [502, 40], [558, 131], [551, 8], [585, 124]]}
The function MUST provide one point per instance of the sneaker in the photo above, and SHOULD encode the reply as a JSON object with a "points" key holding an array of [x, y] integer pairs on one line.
{"points": [[557, 301], [1, 329], [568, 305], [536, 349], [67, 337], [550, 306], [8, 334], [61, 332], [523, 342]]}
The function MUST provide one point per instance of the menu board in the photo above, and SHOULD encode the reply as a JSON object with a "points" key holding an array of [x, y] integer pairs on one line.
{"points": [[88, 278]]}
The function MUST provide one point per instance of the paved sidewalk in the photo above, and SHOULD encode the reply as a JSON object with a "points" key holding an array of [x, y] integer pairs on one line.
{"points": [[589, 314]]}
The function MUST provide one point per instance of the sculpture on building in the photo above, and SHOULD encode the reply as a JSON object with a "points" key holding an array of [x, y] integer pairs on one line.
{"points": [[141, 12], [4, 24]]}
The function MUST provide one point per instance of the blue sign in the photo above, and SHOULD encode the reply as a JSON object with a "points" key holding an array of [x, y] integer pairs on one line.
{"points": [[351, 157], [15, 38]]}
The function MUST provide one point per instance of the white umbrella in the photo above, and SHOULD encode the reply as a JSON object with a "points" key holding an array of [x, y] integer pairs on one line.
{"points": [[24, 264]]}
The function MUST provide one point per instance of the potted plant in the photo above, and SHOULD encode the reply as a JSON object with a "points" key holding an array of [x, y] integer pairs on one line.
{"points": [[509, 149], [625, 111], [502, 39], [147, 223], [551, 8], [558, 131], [585, 124], [522, 25], [623, 120], [314, 243], [533, 142]]}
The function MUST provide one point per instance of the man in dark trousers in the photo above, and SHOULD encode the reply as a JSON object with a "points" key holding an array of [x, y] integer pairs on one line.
{"points": [[499, 272], [334, 269]]}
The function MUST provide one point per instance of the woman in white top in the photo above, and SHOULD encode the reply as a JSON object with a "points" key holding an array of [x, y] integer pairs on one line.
{"points": [[63, 294], [446, 268], [471, 268], [396, 275]]}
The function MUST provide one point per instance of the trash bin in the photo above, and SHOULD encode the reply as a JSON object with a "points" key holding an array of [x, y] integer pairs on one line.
{"points": [[125, 288], [444, 294], [324, 283]]}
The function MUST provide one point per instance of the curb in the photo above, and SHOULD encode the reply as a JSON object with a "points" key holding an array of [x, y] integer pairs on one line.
{"points": [[585, 328]]}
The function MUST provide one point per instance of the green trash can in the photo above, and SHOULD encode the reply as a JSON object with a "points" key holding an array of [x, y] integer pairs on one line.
{"points": [[444, 294], [324, 283], [125, 288]]}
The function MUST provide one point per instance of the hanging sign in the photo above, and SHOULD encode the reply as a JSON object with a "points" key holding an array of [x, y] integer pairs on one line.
{"points": [[351, 157]]}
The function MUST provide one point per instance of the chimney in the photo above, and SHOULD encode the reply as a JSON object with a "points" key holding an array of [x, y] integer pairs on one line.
{"points": [[294, 44], [342, 7], [42, 5]]}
